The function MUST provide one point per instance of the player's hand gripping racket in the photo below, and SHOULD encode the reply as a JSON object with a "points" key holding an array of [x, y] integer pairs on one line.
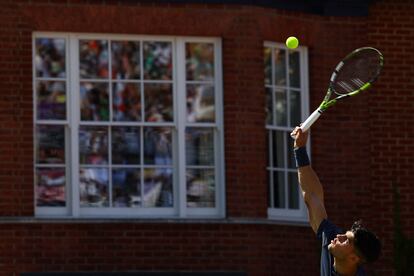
{"points": [[354, 74]]}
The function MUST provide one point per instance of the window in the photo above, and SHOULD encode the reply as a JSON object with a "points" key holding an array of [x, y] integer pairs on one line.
{"points": [[286, 106], [127, 126]]}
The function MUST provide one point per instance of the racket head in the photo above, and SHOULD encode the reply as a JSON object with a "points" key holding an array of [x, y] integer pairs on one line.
{"points": [[356, 72]]}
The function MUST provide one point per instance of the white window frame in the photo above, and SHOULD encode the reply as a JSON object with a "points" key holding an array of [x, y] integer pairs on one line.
{"points": [[285, 214], [72, 122]]}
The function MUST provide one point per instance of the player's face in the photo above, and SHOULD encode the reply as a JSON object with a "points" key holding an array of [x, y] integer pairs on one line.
{"points": [[342, 246]]}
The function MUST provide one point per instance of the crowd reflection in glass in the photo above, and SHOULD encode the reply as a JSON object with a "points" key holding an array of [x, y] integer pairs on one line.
{"points": [[50, 82], [200, 177], [122, 162]]}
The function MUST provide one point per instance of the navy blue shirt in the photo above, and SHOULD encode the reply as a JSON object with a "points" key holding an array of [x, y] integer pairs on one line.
{"points": [[327, 231]]}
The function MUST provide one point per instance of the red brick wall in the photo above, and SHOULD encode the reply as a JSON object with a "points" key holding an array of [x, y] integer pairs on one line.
{"points": [[391, 111], [253, 248], [359, 150]]}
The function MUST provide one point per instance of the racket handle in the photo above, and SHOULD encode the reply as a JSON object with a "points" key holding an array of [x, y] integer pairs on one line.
{"points": [[310, 120]]}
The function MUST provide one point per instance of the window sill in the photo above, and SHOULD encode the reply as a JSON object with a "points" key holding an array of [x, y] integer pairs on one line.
{"points": [[37, 220]]}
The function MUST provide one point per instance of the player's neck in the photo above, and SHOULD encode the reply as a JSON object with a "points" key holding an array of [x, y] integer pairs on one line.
{"points": [[344, 268]]}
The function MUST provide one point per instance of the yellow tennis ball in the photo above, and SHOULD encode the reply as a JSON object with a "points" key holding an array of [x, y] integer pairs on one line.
{"points": [[292, 42]]}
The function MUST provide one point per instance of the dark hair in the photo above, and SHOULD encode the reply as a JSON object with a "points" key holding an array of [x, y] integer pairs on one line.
{"points": [[366, 243]]}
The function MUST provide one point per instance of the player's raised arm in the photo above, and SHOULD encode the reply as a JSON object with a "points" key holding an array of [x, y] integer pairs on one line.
{"points": [[312, 190]]}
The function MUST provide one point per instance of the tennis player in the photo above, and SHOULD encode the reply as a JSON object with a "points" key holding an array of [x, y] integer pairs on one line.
{"points": [[343, 253]]}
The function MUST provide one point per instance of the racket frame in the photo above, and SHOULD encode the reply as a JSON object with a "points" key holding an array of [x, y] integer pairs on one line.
{"points": [[327, 103]]}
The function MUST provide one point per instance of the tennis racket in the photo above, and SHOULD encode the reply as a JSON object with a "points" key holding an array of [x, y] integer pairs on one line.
{"points": [[354, 74]]}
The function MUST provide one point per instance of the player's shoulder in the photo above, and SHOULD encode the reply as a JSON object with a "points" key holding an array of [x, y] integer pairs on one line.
{"points": [[328, 229]]}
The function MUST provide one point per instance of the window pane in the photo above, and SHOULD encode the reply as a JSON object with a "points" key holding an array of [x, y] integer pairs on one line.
{"points": [[93, 187], [200, 61], [280, 67], [94, 101], [294, 69], [269, 106], [200, 188], [50, 144], [126, 188], [126, 102], [126, 145], [158, 60], [158, 188], [293, 191], [295, 108], [281, 107], [125, 59], [279, 189], [290, 157], [93, 145], [93, 59], [157, 146], [158, 102], [199, 146], [268, 65], [278, 149], [50, 188], [51, 100], [200, 103], [50, 58]]}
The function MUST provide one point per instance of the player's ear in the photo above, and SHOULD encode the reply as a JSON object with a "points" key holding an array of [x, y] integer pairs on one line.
{"points": [[355, 258]]}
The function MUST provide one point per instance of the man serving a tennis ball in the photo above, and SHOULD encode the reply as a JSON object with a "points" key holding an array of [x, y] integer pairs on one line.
{"points": [[343, 253]]}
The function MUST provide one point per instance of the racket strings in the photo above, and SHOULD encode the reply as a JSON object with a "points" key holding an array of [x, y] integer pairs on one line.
{"points": [[356, 71]]}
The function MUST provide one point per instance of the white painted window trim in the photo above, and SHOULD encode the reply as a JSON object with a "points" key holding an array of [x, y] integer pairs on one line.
{"points": [[180, 209]]}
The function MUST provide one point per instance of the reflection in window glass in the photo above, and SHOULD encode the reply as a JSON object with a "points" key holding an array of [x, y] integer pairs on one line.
{"points": [[93, 187], [280, 67], [278, 149], [295, 108], [50, 61], [94, 101], [294, 69], [157, 60], [126, 102], [290, 155], [200, 188], [93, 59], [50, 144], [51, 100], [200, 103], [126, 188], [158, 188], [157, 146], [269, 106], [93, 145], [119, 111], [280, 107], [126, 145], [200, 61], [50, 188], [125, 59], [199, 146], [158, 102], [279, 190], [293, 190]]}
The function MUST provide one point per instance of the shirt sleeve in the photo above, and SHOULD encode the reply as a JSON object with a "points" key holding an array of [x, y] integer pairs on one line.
{"points": [[327, 231]]}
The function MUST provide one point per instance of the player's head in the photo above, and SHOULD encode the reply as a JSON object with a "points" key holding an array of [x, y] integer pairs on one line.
{"points": [[357, 245], [366, 244]]}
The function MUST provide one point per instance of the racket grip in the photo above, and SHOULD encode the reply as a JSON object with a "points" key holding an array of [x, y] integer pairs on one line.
{"points": [[310, 120]]}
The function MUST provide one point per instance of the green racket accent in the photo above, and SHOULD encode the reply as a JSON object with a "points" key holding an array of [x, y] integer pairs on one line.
{"points": [[365, 86], [326, 104]]}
